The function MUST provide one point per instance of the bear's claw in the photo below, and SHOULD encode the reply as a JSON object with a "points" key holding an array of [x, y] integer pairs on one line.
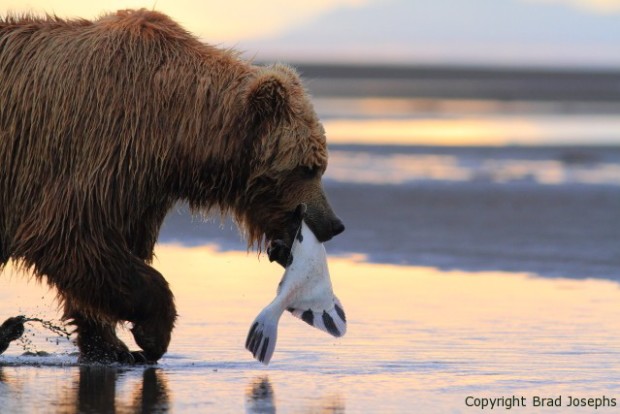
{"points": [[152, 339], [139, 358]]}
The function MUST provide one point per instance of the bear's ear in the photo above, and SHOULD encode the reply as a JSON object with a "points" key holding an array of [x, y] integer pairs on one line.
{"points": [[268, 95]]}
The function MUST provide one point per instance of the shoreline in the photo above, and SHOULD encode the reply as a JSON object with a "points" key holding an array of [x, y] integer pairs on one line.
{"points": [[417, 334], [553, 211], [464, 82], [551, 231]]}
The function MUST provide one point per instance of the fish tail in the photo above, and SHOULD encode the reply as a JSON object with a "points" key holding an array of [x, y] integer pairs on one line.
{"points": [[331, 320], [263, 334]]}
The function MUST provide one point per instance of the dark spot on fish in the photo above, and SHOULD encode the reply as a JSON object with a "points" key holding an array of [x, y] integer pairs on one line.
{"points": [[329, 324], [256, 344], [340, 313], [264, 350], [251, 346], [250, 336], [308, 317], [300, 237], [291, 310]]}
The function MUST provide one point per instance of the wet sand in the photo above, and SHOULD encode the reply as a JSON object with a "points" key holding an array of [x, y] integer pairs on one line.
{"points": [[456, 290], [550, 231], [452, 289], [419, 340], [556, 231]]}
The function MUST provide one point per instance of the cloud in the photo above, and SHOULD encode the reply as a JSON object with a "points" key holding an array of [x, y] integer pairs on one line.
{"points": [[213, 20], [502, 32], [597, 6]]}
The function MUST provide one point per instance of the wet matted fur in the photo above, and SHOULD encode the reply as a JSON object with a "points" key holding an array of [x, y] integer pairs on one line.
{"points": [[105, 125]]}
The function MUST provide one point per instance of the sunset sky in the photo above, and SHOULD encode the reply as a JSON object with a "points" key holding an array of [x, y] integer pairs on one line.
{"points": [[505, 32], [217, 21]]}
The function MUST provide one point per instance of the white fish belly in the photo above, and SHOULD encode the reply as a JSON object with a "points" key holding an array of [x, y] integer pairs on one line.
{"points": [[306, 291]]}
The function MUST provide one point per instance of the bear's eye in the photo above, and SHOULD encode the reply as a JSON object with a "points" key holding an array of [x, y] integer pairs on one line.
{"points": [[308, 172]]}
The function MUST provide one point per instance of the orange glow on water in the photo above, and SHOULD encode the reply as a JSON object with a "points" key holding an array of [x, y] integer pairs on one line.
{"points": [[414, 334], [213, 285], [432, 132], [463, 131], [236, 285]]}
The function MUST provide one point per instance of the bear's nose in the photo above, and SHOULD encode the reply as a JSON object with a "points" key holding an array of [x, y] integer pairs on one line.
{"points": [[337, 227]]}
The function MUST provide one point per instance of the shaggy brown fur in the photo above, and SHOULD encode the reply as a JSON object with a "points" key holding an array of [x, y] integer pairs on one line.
{"points": [[104, 125]]}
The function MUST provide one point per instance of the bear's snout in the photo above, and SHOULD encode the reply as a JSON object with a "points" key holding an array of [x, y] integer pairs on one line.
{"points": [[337, 227], [325, 229]]}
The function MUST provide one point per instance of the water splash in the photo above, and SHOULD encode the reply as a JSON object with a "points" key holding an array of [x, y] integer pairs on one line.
{"points": [[50, 326], [26, 342]]}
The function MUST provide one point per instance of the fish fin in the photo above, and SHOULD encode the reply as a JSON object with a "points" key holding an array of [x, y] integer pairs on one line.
{"points": [[331, 320], [263, 334]]}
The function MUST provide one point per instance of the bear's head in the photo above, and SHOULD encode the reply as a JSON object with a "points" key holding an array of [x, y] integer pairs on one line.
{"points": [[289, 158]]}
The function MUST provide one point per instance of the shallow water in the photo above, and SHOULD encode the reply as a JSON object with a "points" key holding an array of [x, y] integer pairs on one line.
{"points": [[419, 340], [518, 221], [475, 184], [503, 165], [475, 122]]}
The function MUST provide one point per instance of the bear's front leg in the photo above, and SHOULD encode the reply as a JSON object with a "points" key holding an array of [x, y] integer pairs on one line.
{"points": [[120, 288], [153, 312], [97, 340]]}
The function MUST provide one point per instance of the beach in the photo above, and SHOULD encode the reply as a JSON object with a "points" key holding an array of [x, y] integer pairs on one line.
{"points": [[419, 339], [485, 208], [471, 274]]}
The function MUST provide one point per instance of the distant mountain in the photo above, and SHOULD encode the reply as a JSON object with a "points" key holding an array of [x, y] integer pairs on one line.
{"points": [[498, 32]]}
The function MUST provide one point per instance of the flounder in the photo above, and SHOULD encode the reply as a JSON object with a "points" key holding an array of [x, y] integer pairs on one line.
{"points": [[305, 290]]}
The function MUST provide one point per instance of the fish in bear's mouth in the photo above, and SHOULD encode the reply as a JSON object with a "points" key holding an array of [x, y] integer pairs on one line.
{"points": [[279, 246]]}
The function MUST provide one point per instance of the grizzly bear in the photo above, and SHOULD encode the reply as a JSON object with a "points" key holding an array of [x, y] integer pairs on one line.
{"points": [[105, 125]]}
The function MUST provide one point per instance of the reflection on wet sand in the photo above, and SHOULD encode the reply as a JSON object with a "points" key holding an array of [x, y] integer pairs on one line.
{"points": [[154, 395], [97, 391], [94, 389], [416, 334], [260, 399]]}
